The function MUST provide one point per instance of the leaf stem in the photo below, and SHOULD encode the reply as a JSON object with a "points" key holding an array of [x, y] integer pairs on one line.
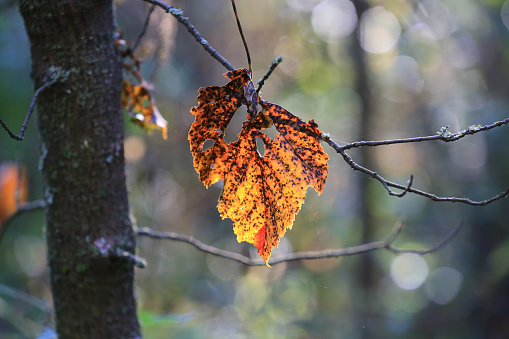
{"points": [[243, 38]]}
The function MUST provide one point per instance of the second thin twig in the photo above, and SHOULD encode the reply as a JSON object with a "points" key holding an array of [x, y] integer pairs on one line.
{"points": [[305, 255], [21, 134]]}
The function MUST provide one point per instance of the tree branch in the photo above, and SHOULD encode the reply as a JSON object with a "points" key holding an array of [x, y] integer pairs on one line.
{"points": [[443, 135], [305, 255], [26, 298], [144, 29], [21, 134], [26, 207], [436, 248], [178, 14], [272, 67]]}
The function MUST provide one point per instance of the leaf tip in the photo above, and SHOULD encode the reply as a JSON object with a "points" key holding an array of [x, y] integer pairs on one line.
{"points": [[259, 241]]}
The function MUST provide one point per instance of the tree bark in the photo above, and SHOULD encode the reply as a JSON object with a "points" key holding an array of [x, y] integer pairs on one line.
{"points": [[367, 271], [88, 230]]}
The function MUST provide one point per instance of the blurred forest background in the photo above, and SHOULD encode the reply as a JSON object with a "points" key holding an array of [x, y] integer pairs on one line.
{"points": [[363, 71]]}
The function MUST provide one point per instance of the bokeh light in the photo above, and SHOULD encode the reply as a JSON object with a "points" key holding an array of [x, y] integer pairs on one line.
{"points": [[443, 285], [333, 20], [380, 30], [409, 271], [302, 5], [504, 13], [134, 148], [31, 254]]}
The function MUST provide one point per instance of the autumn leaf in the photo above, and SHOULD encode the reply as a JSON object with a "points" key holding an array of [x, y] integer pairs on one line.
{"points": [[213, 114], [13, 189], [261, 194], [136, 99]]}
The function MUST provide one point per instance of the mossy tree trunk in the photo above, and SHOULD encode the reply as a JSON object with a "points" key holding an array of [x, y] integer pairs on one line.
{"points": [[88, 230]]}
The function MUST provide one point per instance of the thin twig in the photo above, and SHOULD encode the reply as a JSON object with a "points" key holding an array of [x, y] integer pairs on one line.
{"points": [[387, 184], [272, 67], [22, 209], [305, 255], [443, 135], [134, 259], [21, 134], [178, 14], [436, 248], [144, 29], [243, 38], [25, 297], [198, 244], [410, 182]]}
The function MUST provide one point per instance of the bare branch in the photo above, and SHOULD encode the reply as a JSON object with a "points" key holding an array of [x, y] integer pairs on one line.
{"points": [[21, 134], [132, 258], [26, 298], [22, 209], [178, 14], [399, 195], [443, 135], [272, 67], [305, 255], [243, 38], [199, 245], [436, 248], [144, 29]]}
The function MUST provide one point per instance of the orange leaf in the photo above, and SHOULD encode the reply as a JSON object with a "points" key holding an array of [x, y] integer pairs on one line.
{"points": [[137, 100], [213, 114], [13, 189], [261, 195]]}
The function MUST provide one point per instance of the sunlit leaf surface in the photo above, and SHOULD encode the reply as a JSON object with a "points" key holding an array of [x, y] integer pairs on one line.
{"points": [[261, 194]]}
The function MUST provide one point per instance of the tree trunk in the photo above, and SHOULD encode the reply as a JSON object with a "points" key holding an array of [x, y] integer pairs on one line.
{"points": [[88, 230], [367, 271]]}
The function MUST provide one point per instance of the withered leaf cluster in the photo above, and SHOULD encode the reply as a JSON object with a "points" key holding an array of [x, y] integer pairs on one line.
{"points": [[136, 97]]}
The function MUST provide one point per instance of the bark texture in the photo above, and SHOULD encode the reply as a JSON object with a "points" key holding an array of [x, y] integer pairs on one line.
{"points": [[88, 228]]}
